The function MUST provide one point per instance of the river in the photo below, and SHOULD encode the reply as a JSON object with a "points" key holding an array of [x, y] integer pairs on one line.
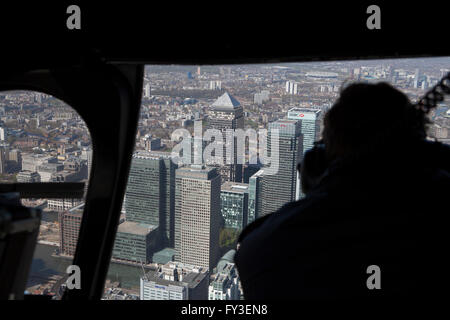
{"points": [[45, 265]]}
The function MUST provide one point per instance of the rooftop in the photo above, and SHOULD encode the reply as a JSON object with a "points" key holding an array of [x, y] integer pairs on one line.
{"points": [[79, 207], [152, 155], [226, 101], [304, 110], [191, 275], [136, 228], [237, 187], [260, 173], [287, 121], [194, 172]]}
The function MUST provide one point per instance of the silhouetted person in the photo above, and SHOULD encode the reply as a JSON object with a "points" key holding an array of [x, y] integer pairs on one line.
{"points": [[313, 167], [378, 195]]}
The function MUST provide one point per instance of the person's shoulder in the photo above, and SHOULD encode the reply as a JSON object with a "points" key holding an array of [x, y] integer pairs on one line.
{"points": [[253, 226], [304, 208]]}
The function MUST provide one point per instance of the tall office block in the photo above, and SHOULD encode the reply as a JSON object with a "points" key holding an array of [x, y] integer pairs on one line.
{"points": [[309, 124], [2, 134], [3, 158], [147, 90], [234, 204], [86, 153], [197, 215], [417, 78], [215, 85], [69, 227], [281, 187], [291, 87], [255, 196], [227, 113], [150, 194]]}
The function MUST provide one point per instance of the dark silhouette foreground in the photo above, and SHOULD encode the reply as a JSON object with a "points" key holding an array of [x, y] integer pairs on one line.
{"points": [[383, 200]]}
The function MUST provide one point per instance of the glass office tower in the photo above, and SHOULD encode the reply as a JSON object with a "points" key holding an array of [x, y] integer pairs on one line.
{"points": [[280, 188], [150, 194]]}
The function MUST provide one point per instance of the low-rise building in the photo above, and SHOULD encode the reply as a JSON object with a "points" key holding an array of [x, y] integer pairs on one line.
{"points": [[135, 242], [28, 176], [175, 281], [224, 283]]}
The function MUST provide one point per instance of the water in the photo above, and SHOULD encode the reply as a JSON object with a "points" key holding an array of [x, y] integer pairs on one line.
{"points": [[49, 216], [44, 266]]}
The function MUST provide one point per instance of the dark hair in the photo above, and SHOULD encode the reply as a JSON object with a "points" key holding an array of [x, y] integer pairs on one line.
{"points": [[368, 118]]}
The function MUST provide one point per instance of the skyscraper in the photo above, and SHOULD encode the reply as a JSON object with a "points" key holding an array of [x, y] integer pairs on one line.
{"points": [[147, 90], [280, 188], [291, 87], [150, 194], [3, 152], [2, 134], [309, 124], [215, 85], [197, 216], [89, 161], [417, 78], [69, 227], [255, 196], [227, 113]]}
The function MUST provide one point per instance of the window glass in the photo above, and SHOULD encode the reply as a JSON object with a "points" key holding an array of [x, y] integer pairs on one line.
{"points": [[42, 139], [182, 215]]}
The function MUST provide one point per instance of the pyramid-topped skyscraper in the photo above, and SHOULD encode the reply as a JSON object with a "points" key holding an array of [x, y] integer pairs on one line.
{"points": [[227, 113], [226, 101]]}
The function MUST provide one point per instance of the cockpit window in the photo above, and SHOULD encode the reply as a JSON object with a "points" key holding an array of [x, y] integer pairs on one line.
{"points": [[216, 149], [42, 139]]}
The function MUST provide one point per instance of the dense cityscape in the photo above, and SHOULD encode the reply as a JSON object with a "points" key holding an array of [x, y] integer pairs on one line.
{"points": [[180, 222]]}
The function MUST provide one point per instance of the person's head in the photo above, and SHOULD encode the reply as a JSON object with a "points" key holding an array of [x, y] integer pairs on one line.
{"points": [[312, 168], [368, 118]]}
